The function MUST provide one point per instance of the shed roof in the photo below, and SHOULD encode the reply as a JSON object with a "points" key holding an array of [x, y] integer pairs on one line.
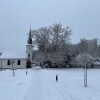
{"points": [[6, 54]]}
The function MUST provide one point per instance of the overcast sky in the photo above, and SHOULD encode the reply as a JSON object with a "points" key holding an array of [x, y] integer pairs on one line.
{"points": [[16, 16]]}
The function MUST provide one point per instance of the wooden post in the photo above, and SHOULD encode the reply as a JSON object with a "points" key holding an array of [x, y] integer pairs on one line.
{"points": [[13, 70], [85, 76], [12, 62], [1, 65], [26, 72]]}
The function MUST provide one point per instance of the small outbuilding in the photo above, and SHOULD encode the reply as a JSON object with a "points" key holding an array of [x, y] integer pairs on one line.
{"points": [[18, 58]]}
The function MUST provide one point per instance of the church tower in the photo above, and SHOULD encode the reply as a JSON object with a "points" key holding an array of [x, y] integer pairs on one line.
{"points": [[29, 50]]}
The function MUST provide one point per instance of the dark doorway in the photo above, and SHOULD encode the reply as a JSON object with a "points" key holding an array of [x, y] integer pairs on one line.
{"points": [[18, 62], [28, 64], [8, 63]]}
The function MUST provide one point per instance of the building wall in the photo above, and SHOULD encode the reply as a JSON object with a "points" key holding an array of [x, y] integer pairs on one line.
{"points": [[29, 50], [4, 64]]}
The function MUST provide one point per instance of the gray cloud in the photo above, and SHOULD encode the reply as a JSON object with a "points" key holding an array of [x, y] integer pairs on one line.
{"points": [[17, 15]]}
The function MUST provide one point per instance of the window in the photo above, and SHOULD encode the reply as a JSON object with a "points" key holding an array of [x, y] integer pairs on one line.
{"points": [[18, 63], [8, 63]]}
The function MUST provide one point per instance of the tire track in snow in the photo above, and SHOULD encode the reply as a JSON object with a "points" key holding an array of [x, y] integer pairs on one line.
{"points": [[70, 94], [42, 89], [34, 91], [53, 84], [65, 92], [65, 97]]}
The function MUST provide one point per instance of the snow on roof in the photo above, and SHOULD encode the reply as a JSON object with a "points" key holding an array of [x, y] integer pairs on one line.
{"points": [[6, 54], [82, 56], [96, 63]]}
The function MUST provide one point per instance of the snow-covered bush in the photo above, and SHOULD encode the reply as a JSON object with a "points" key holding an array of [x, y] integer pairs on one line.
{"points": [[84, 59]]}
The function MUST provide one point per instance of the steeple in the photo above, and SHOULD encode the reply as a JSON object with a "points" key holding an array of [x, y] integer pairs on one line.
{"points": [[30, 37], [29, 50]]}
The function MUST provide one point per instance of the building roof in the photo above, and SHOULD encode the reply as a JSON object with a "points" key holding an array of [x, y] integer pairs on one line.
{"points": [[6, 54], [96, 62]]}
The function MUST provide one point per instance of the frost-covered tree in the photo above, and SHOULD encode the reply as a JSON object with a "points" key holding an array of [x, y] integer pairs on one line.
{"points": [[52, 38], [88, 46], [41, 38], [53, 41], [84, 59], [60, 36]]}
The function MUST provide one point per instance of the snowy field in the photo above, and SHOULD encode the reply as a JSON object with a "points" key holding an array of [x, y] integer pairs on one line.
{"points": [[40, 84], [14, 88]]}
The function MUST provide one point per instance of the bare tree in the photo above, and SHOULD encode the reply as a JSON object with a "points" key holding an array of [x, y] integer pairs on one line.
{"points": [[52, 40], [51, 37], [41, 38]]}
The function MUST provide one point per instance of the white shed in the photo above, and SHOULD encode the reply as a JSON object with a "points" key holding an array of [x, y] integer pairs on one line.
{"points": [[19, 59]]}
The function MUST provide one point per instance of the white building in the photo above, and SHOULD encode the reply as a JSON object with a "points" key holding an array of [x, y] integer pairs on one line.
{"points": [[19, 59], [7, 57]]}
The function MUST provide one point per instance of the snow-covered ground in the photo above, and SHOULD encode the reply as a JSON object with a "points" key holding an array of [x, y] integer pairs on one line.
{"points": [[14, 88], [40, 84]]}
